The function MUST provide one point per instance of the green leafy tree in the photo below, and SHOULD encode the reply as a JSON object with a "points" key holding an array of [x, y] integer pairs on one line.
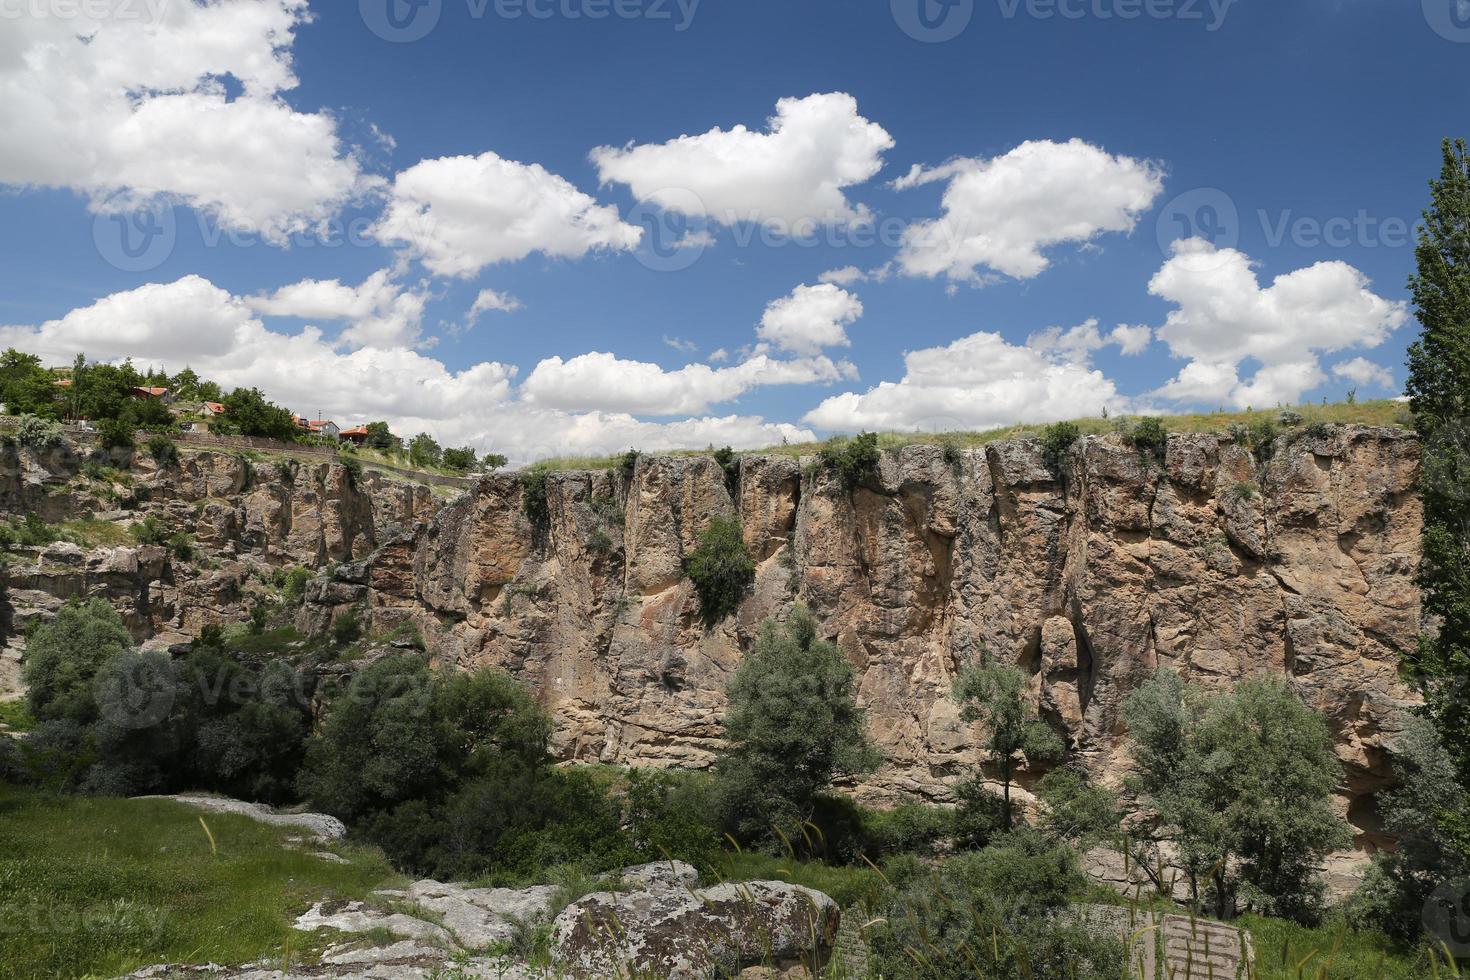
{"points": [[721, 569], [64, 655], [26, 388], [424, 451], [1401, 881], [460, 460], [1076, 810], [491, 462], [793, 726], [995, 697], [1439, 393], [1243, 783], [380, 437], [251, 414], [401, 732]]}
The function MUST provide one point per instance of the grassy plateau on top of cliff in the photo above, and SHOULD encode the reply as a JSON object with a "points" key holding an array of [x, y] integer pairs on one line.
{"points": [[1380, 412]]}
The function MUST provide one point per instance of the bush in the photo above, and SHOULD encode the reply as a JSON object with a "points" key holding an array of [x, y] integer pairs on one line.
{"points": [[64, 656], [853, 461], [346, 628], [1000, 912], [729, 462], [354, 470], [1262, 439], [670, 815], [31, 532], [259, 618], [1150, 437], [980, 816], [150, 530], [38, 433], [1056, 442], [1290, 419], [401, 732], [293, 586], [793, 726], [629, 464], [163, 451], [533, 499], [116, 434], [721, 569]]}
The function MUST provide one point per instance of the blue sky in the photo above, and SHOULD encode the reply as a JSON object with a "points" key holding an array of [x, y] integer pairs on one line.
{"points": [[1274, 139]]}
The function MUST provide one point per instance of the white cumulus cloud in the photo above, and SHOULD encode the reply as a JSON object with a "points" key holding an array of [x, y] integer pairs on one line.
{"points": [[124, 109], [1001, 214], [607, 382], [1365, 372], [810, 318], [980, 382], [458, 215], [194, 323], [1224, 318], [794, 172], [381, 312]]}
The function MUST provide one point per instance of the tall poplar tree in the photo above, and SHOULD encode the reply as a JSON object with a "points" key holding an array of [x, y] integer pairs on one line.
{"points": [[1439, 390]]}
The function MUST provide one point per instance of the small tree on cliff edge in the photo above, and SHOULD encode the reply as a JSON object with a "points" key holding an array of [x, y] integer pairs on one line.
{"points": [[995, 697], [1439, 392]]}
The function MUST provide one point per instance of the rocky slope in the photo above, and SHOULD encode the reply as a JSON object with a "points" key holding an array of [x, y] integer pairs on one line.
{"points": [[1206, 560], [238, 523]]}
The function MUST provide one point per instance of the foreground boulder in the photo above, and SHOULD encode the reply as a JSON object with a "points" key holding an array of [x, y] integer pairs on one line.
{"points": [[682, 933]]}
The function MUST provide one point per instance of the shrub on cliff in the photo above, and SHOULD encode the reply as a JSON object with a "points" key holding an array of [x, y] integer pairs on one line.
{"points": [[854, 461], [721, 569], [38, 433], [1150, 438], [1056, 442], [793, 726]]}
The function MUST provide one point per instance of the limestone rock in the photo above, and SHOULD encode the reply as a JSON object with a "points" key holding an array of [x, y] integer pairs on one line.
{"points": [[477, 917], [682, 935], [321, 827]]}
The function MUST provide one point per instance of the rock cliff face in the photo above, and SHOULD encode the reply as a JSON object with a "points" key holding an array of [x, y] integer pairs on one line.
{"points": [[1205, 560], [237, 522]]}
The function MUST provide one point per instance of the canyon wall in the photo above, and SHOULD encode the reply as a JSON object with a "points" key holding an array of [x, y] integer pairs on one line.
{"points": [[1205, 560]]}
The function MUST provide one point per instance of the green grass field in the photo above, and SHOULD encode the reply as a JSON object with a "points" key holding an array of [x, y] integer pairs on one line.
{"points": [[104, 886]]}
